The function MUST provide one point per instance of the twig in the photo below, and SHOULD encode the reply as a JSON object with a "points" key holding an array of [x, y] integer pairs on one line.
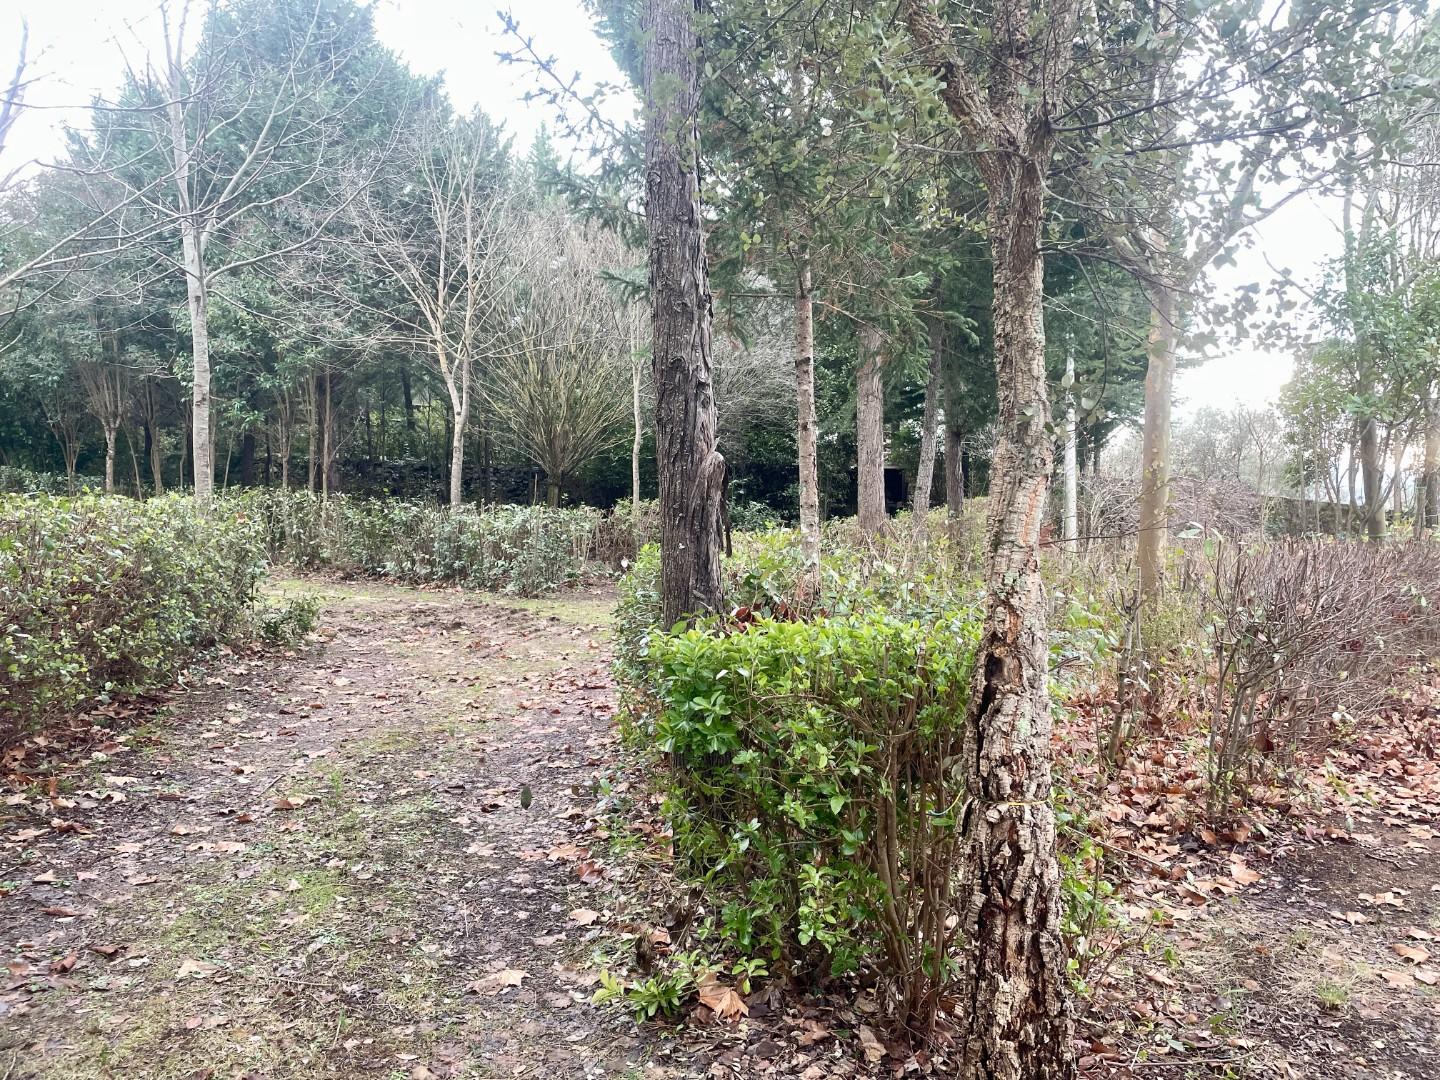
{"points": [[1153, 863]]}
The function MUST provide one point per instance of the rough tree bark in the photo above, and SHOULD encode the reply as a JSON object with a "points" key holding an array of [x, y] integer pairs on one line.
{"points": [[1427, 489], [870, 433], [1155, 441], [1372, 478], [1016, 1013], [1072, 466], [692, 471], [806, 424], [925, 469], [954, 446]]}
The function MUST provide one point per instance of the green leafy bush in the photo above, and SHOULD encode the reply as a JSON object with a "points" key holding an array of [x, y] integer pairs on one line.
{"points": [[519, 549], [289, 621], [20, 481], [815, 788], [105, 595]]}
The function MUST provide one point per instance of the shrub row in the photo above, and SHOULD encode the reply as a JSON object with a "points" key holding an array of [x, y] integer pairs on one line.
{"points": [[100, 596], [517, 549], [16, 480]]}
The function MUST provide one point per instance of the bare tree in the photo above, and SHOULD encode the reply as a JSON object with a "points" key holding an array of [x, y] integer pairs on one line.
{"points": [[225, 132], [12, 101], [443, 259], [551, 389], [108, 387]]}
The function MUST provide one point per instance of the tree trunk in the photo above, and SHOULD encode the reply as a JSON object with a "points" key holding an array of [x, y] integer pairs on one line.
{"points": [[110, 431], [155, 451], [1372, 478], [1427, 490], [636, 441], [870, 433], [1014, 1006], [326, 429], [1352, 512], [1072, 465], [198, 302], [312, 433], [925, 470], [457, 454], [134, 462], [1155, 442], [692, 471], [459, 418], [1018, 1019], [552, 491], [1397, 487], [806, 424], [954, 445], [247, 459]]}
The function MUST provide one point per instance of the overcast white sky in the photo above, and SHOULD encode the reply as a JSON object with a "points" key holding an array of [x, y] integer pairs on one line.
{"points": [[80, 42]]}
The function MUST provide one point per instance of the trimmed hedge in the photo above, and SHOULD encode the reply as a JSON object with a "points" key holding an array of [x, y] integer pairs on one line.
{"points": [[518, 549], [102, 596]]}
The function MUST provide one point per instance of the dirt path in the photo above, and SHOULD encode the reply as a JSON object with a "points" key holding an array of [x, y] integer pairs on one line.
{"points": [[322, 867]]}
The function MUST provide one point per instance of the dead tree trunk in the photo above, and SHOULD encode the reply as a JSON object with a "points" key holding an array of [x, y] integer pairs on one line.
{"points": [[692, 471]]}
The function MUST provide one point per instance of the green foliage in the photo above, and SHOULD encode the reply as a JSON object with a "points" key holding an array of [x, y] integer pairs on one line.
{"points": [[514, 549], [815, 787], [15, 480], [288, 622], [102, 596]]}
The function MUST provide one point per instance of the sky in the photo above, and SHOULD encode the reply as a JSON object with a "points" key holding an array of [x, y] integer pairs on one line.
{"points": [[81, 48]]}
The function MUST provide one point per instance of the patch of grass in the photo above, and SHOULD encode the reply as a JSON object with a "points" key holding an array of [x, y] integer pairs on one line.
{"points": [[1331, 995]]}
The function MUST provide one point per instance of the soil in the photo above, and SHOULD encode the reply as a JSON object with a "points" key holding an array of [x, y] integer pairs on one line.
{"points": [[322, 865], [392, 852]]}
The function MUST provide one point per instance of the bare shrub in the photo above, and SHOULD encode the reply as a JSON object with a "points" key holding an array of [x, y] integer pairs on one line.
{"points": [[1302, 633]]}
